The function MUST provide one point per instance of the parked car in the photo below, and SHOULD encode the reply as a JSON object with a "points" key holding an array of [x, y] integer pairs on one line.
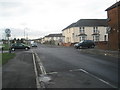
{"points": [[34, 44], [85, 44], [19, 46]]}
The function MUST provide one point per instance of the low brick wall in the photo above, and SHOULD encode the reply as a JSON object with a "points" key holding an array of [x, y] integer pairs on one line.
{"points": [[66, 44], [102, 45]]}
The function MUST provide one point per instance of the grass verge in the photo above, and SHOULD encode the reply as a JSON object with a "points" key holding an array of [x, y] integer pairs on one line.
{"points": [[5, 47], [6, 57]]}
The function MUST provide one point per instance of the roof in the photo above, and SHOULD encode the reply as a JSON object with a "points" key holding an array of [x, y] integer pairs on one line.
{"points": [[88, 22], [113, 6], [54, 35], [91, 22], [71, 25]]}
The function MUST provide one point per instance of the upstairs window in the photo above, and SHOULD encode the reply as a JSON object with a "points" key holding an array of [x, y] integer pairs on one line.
{"points": [[82, 30], [95, 30]]}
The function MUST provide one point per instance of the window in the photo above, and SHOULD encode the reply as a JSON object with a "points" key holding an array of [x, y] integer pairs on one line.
{"points": [[95, 30], [96, 38], [105, 38], [82, 38], [72, 34], [82, 30]]}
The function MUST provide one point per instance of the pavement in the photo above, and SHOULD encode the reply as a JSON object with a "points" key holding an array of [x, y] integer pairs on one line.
{"points": [[96, 50], [109, 53], [19, 72]]}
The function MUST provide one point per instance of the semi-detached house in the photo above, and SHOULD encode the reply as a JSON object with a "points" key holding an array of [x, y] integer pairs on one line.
{"points": [[86, 29], [56, 38]]}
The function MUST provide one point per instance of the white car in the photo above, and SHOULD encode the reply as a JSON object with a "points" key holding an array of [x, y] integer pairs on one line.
{"points": [[34, 44], [76, 44]]}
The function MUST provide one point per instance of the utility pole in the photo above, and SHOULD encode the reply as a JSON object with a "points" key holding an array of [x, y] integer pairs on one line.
{"points": [[24, 33]]}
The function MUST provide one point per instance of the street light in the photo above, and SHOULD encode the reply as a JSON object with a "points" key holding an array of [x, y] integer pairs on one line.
{"points": [[25, 34]]}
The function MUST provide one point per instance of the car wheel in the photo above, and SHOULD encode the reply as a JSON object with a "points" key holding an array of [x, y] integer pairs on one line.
{"points": [[76, 47], [92, 46], [80, 47], [13, 49], [26, 48]]}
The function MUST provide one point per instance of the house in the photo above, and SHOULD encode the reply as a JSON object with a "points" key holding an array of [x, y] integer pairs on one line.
{"points": [[43, 40], [54, 39], [86, 29], [113, 13], [39, 40]]}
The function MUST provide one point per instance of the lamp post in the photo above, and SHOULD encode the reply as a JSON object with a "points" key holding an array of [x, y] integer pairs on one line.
{"points": [[25, 34]]}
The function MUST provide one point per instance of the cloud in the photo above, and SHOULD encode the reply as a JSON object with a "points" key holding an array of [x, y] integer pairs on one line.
{"points": [[48, 16], [13, 8]]}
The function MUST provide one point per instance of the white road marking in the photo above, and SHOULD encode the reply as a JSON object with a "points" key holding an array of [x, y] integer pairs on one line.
{"points": [[43, 71], [36, 73], [52, 73], [94, 77], [38, 76]]}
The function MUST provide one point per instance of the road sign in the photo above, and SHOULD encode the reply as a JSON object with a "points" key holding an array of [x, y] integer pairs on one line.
{"points": [[7, 31], [8, 35]]}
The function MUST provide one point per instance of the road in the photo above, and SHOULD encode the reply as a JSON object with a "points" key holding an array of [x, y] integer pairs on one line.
{"points": [[70, 68], [64, 67]]}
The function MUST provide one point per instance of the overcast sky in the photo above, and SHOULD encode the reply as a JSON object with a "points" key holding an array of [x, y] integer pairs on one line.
{"points": [[41, 17]]}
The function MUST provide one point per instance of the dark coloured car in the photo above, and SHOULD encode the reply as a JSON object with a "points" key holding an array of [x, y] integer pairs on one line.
{"points": [[19, 46], [85, 44]]}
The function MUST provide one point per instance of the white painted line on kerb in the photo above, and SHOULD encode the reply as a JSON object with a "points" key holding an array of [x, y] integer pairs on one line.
{"points": [[98, 78], [43, 71], [36, 73]]}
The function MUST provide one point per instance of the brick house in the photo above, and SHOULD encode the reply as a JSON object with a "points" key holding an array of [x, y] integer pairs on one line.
{"points": [[113, 13]]}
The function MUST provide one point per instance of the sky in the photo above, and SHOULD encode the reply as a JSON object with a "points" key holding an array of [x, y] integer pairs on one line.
{"points": [[38, 18]]}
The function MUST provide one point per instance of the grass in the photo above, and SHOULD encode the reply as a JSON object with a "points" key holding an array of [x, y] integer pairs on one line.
{"points": [[5, 47], [6, 57]]}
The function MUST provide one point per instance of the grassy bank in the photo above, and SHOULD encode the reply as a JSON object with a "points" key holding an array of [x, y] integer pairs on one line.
{"points": [[6, 57]]}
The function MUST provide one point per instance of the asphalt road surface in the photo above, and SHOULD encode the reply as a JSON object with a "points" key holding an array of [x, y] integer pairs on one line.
{"points": [[70, 68], [65, 67]]}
